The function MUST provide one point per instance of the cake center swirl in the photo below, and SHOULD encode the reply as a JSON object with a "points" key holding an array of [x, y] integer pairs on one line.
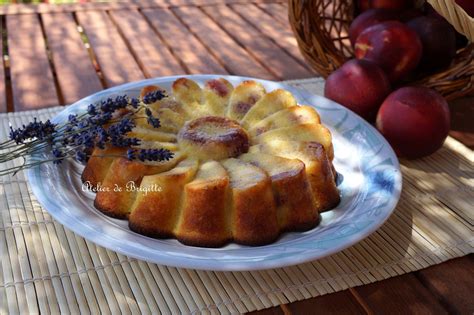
{"points": [[213, 138]]}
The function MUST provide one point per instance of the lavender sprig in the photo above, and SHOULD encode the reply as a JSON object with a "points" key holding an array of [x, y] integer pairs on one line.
{"points": [[36, 129], [149, 154], [153, 121], [153, 96], [105, 123]]}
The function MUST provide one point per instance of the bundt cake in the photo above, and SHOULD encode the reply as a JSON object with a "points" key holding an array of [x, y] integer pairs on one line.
{"points": [[248, 165]]}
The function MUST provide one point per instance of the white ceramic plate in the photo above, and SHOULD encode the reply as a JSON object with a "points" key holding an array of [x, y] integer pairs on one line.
{"points": [[370, 185]]}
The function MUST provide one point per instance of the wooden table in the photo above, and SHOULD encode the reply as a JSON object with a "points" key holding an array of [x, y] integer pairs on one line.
{"points": [[59, 54]]}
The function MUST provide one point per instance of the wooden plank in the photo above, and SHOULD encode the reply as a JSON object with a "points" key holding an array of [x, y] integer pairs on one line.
{"points": [[181, 3], [335, 303], [275, 59], [24, 8], [31, 75], [209, 2], [235, 59], [76, 75], [3, 94], [115, 60], [277, 11], [400, 295], [149, 50], [282, 36], [184, 45], [277, 310], [452, 283], [462, 115], [466, 138]]}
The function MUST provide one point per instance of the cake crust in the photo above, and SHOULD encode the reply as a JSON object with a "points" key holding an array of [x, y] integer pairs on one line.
{"points": [[248, 165], [204, 219]]}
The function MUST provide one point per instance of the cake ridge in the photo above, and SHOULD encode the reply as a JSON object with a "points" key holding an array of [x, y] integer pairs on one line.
{"points": [[248, 165], [243, 97], [270, 103], [204, 219], [297, 114], [162, 204]]}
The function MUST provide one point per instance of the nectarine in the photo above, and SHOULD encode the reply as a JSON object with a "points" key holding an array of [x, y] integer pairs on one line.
{"points": [[438, 39], [363, 5], [384, 4], [392, 45], [414, 120], [369, 18], [391, 4], [430, 11], [461, 40], [410, 14], [360, 85]]}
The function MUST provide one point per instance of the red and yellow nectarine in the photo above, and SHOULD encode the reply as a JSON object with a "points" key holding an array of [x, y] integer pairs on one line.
{"points": [[384, 4], [360, 85], [438, 39], [392, 45], [414, 120], [367, 19]]}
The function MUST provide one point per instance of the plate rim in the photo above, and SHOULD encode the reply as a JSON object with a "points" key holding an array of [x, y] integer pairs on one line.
{"points": [[211, 264]]}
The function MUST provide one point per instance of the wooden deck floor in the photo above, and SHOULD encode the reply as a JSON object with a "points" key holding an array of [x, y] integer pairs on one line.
{"points": [[59, 57]]}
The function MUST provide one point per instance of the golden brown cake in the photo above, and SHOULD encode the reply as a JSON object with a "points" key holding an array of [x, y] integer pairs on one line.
{"points": [[248, 165]]}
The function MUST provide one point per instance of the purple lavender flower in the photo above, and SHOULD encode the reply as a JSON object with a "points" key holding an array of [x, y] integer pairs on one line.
{"points": [[122, 127], [92, 110], [153, 121], [89, 140], [58, 155], [81, 156], [72, 119], [68, 128], [102, 137], [149, 154], [155, 154], [122, 142], [100, 119], [131, 154], [154, 96], [110, 105], [81, 133], [35, 129], [134, 102]]}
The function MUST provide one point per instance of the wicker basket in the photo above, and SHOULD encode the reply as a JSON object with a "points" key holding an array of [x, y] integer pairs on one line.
{"points": [[321, 29]]}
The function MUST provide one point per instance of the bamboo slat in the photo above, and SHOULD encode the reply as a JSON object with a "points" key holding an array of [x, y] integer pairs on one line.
{"points": [[46, 268]]}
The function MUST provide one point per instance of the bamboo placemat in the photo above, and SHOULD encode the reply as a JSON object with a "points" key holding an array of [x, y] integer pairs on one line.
{"points": [[46, 268]]}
